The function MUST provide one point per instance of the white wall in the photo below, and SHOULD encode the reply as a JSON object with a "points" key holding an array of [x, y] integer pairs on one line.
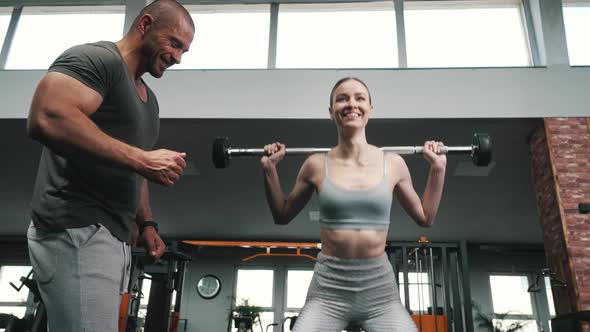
{"points": [[417, 93]]}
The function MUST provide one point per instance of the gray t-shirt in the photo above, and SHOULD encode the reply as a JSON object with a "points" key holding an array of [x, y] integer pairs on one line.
{"points": [[73, 192]]}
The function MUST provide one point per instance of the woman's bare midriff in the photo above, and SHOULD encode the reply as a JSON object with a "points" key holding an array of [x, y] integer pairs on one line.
{"points": [[353, 243]]}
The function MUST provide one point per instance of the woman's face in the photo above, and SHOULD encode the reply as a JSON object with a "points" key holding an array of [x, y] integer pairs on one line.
{"points": [[351, 107]]}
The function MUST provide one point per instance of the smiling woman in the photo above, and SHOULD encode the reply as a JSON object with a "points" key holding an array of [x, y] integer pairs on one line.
{"points": [[355, 182]]}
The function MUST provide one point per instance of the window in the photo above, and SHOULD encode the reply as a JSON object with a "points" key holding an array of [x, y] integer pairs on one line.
{"points": [[465, 34], [510, 295], [550, 301], [419, 289], [228, 36], [576, 16], [529, 325], [146, 287], [297, 285], [5, 15], [11, 301], [352, 35], [256, 286], [63, 27]]}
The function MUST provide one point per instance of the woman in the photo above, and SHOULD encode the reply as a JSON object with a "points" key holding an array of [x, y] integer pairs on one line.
{"points": [[353, 280]]}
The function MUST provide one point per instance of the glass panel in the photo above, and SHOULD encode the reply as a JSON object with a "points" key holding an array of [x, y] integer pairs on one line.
{"points": [[509, 294], [256, 286], [13, 274], [297, 285], [266, 318], [419, 289], [217, 46], [5, 15], [465, 34], [17, 311], [145, 290], [323, 36], [63, 27], [505, 324], [550, 301], [576, 16]]}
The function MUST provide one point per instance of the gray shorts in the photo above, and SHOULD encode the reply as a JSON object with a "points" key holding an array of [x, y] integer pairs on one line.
{"points": [[81, 273], [361, 291]]}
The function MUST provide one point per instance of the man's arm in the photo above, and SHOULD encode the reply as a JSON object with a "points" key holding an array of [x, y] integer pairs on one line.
{"points": [[59, 119], [149, 233]]}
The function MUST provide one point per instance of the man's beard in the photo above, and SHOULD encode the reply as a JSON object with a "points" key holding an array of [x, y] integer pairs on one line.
{"points": [[150, 54]]}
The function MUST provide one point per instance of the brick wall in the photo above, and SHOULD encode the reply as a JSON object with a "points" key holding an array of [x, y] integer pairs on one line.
{"points": [[560, 161]]}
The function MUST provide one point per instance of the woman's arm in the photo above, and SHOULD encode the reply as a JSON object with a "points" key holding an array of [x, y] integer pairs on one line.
{"points": [[424, 210], [284, 209]]}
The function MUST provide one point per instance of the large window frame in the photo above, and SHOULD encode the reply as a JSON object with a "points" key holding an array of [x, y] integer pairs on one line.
{"points": [[573, 44], [13, 54], [539, 300], [5, 11], [23, 304], [215, 56], [274, 8], [264, 309], [527, 58]]}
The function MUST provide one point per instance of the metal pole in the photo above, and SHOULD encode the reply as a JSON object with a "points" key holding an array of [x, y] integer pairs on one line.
{"points": [[466, 287], [395, 149], [445, 286], [406, 280], [433, 290]]}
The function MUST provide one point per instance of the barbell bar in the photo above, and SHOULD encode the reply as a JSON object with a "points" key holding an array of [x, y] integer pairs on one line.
{"points": [[480, 150]]}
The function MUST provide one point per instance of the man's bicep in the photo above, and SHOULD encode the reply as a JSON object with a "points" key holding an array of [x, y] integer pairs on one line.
{"points": [[59, 94]]}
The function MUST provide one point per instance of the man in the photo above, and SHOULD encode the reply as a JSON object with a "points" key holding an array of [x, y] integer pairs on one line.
{"points": [[98, 122]]}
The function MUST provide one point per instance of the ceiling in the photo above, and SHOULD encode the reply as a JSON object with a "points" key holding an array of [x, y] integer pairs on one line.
{"points": [[486, 205]]}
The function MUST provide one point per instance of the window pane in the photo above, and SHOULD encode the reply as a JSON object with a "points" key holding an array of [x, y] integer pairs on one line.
{"points": [[13, 274], [465, 34], [146, 286], [17, 311], [5, 14], [255, 286], [63, 27], [509, 294], [419, 289], [576, 17], [530, 325], [297, 285], [266, 318], [322, 36], [227, 36], [550, 302]]}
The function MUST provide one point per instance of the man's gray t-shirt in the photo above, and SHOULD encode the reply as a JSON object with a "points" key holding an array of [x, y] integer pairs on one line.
{"points": [[73, 192]]}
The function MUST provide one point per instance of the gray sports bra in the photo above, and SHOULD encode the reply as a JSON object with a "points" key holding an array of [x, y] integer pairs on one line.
{"points": [[355, 209]]}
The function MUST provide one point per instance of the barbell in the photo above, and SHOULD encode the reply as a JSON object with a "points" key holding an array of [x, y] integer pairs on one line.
{"points": [[480, 150]]}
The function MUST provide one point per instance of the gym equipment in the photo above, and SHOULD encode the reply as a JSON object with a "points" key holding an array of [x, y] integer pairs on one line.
{"points": [[480, 150], [434, 284], [35, 318], [166, 276]]}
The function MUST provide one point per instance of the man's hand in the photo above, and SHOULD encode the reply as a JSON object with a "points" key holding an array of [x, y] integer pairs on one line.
{"points": [[163, 166], [153, 244]]}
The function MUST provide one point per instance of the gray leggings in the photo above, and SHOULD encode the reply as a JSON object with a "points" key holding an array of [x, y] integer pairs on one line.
{"points": [[81, 273], [362, 291]]}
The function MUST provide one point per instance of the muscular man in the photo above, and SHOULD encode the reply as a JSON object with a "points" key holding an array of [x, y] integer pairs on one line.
{"points": [[98, 122]]}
